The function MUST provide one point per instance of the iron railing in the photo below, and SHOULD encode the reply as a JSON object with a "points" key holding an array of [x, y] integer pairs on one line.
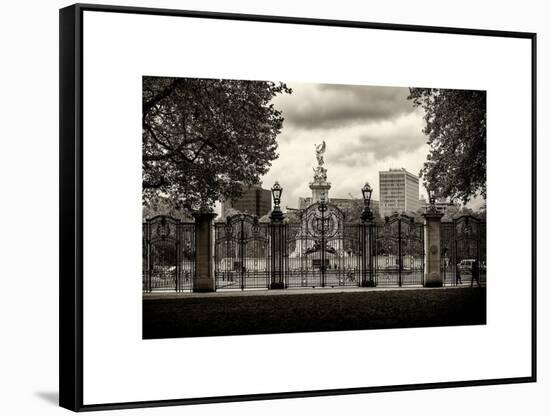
{"points": [[463, 242], [242, 253], [399, 252], [168, 254], [318, 250]]}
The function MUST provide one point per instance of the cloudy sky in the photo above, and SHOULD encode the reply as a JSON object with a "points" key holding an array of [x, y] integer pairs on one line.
{"points": [[366, 129]]}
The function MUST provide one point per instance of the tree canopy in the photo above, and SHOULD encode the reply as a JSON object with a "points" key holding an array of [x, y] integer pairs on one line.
{"points": [[354, 209], [204, 139], [456, 126]]}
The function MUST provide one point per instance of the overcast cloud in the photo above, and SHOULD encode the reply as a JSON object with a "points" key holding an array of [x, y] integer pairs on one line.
{"points": [[366, 129], [325, 106]]}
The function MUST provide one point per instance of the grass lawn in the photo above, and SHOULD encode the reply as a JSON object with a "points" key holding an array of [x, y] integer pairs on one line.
{"points": [[312, 312]]}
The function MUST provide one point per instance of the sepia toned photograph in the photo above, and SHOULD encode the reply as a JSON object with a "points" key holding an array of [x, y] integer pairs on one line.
{"points": [[311, 197], [283, 207]]}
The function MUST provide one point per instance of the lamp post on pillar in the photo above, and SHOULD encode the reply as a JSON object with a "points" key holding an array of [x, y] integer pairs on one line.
{"points": [[367, 239], [432, 242], [277, 229], [323, 207], [366, 215], [276, 191], [431, 197]]}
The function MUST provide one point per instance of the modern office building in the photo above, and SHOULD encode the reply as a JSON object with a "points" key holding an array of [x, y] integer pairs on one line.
{"points": [[398, 192], [254, 201]]}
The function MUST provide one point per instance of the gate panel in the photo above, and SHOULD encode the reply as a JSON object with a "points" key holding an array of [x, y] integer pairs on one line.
{"points": [[163, 269], [470, 251], [145, 257], [412, 253], [168, 254], [225, 255], [351, 256], [163, 251], [242, 253], [483, 252], [186, 256], [302, 270], [463, 241], [322, 250], [399, 252], [448, 254], [386, 254]]}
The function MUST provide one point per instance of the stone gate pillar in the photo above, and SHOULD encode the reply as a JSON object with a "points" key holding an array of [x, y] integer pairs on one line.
{"points": [[204, 273], [432, 248]]}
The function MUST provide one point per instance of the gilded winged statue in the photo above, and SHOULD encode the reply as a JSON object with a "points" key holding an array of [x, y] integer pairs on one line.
{"points": [[320, 151]]}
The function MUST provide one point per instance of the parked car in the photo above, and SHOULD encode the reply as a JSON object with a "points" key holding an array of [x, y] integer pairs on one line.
{"points": [[466, 265]]}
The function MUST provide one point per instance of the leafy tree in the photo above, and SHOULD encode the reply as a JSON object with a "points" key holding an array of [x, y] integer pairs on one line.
{"points": [[353, 210], [204, 139], [456, 211], [463, 211], [456, 127], [482, 212], [164, 206]]}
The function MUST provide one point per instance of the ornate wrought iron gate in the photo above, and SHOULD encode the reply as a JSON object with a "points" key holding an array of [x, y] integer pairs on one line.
{"points": [[168, 254], [399, 252], [242, 253], [463, 242], [322, 250]]}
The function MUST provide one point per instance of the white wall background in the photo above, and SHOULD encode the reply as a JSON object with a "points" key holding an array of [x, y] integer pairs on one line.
{"points": [[29, 207]]}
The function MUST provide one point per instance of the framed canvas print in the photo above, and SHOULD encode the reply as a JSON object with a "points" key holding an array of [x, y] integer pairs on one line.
{"points": [[319, 207]]}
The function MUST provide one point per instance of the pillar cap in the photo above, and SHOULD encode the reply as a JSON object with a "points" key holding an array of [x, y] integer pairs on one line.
{"points": [[277, 216], [204, 215], [433, 215]]}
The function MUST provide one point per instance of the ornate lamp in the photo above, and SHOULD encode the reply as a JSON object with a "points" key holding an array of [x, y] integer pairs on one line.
{"points": [[431, 208], [367, 193], [431, 195], [366, 190], [276, 191]]}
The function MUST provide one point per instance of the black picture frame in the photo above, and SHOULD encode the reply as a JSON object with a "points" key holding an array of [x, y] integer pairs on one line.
{"points": [[71, 206]]}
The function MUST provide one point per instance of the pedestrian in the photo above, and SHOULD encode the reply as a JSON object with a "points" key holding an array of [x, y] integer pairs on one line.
{"points": [[458, 278], [475, 273]]}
